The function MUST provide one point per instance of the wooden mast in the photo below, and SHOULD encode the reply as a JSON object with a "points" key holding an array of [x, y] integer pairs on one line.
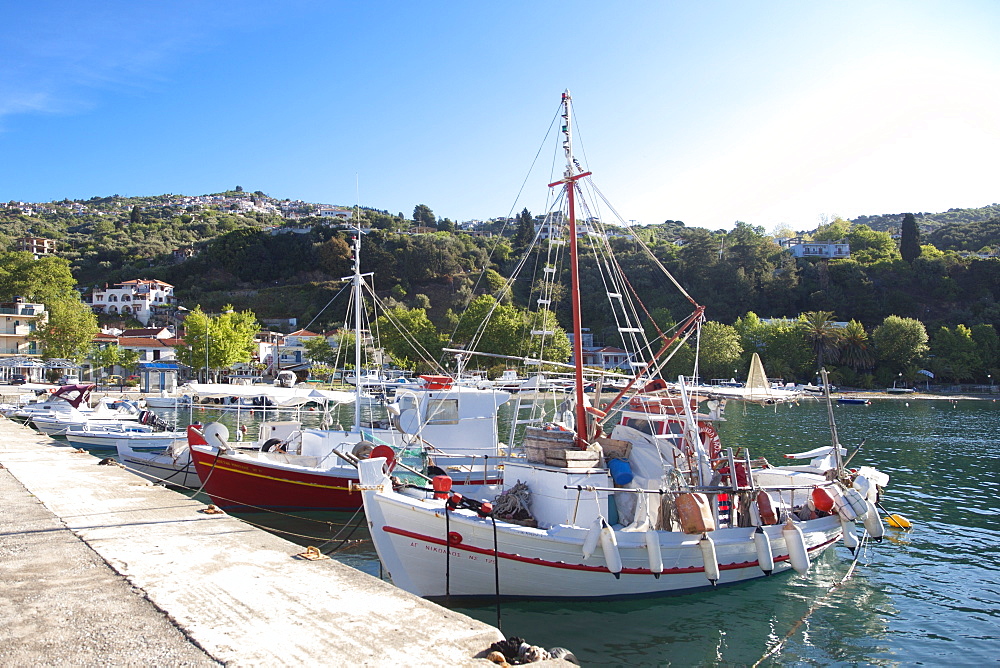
{"points": [[569, 182]]}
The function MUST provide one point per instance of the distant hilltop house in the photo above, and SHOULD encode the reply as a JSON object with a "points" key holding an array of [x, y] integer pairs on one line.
{"points": [[37, 246], [799, 247], [179, 255], [138, 298], [333, 212]]}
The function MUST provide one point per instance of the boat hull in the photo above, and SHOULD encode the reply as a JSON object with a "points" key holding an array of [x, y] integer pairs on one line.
{"points": [[412, 539], [162, 466], [112, 441], [237, 481]]}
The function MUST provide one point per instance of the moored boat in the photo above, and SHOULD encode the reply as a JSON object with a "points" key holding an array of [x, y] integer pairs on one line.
{"points": [[658, 505]]}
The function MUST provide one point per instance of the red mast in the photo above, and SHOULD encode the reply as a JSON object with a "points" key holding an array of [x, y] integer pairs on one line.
{"points": [[569, 182]]}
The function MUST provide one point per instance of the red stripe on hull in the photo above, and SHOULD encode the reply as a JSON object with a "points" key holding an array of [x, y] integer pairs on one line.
{"points": [[578, 567]]}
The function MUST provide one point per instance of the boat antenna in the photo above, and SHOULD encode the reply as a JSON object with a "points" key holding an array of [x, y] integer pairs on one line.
{"points": [[833, 422], [569, 183]]}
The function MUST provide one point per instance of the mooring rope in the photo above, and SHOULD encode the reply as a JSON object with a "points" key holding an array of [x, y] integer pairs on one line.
{"points": [[817, 603]]}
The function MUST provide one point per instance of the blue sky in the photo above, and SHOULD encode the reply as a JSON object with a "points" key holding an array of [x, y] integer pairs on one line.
{"points": [[773, 113]]}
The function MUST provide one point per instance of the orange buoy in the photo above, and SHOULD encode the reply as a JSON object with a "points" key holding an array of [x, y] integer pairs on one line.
{"points": [[765, 508], [694, 513]]}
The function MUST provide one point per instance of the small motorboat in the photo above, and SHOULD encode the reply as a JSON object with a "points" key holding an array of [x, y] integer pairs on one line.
{"points": [[854, 400]]}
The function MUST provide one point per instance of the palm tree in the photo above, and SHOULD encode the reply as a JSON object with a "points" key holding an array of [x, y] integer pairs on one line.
{"points": [[856, 348], [822, 334]]}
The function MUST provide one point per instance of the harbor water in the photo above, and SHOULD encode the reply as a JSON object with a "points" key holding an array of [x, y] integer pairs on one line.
{"points": [[927, 596]]}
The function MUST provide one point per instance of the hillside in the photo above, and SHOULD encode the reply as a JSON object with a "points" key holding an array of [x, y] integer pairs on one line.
{"points": [[278, 259], [931, 221]]}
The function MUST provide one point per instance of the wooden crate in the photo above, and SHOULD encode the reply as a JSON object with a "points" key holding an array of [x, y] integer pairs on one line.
{"points": [[538, 442], [572, 459], [614, 448]]}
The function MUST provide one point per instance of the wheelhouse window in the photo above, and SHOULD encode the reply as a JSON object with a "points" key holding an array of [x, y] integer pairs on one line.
{"points": [[442, 411]]}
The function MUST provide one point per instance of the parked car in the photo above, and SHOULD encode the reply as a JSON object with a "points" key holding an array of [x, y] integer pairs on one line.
{"points": [[18, 379], [71, 379], [113, 379]]}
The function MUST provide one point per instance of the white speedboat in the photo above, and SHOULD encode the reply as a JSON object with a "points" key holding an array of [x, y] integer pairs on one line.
{"points": [[108, 412]]}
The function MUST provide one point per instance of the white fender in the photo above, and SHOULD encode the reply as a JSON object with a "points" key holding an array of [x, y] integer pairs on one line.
{"points": [[653, 550], [609, 545], [863, 485], [873, 523], [850, 537], [795, 543], [765, 557], [707, 546], [593, 537], [851, 505]]}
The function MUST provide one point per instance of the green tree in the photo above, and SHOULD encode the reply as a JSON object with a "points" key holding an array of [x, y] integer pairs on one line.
{"points": [[955, 354], [720, 350], [319, 350], [856, 348], [822, 334], [44, 280], [869, 246], [909, 242], [135, 216], [69, 331], [899, 341], [105, 357], [525, 230], [221, 341], [410, 338], [988, 349], [780, 344], [335, 257], [423, 216], [835, 230]]}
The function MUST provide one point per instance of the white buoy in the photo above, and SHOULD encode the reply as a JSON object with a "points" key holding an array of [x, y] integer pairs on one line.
{"points": [[795, 543], [707, 546], [609, 545], [653, 550], [765, 557], [593, 537], [850, 537], [873, 523]]}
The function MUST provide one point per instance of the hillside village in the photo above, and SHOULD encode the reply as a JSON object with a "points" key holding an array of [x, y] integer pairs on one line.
{"points": [[141, 311]]}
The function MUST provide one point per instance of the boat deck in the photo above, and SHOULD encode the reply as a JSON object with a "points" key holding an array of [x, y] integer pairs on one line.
{"points": [[101, 567]]}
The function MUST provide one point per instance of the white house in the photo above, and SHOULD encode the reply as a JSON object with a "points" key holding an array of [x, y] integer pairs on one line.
{"points": [[136, 298], [800, 248]]}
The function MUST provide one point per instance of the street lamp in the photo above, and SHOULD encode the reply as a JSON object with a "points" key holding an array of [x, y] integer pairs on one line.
{"points": [[990, 376]]}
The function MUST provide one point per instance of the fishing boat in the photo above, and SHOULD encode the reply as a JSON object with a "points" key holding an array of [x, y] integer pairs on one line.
{"points": [[443, 425], [637, 497]]}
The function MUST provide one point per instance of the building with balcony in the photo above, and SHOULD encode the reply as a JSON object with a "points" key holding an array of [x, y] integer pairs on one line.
{"points": [[18, 320], [137, 298], [816, 249], [37, 246]]}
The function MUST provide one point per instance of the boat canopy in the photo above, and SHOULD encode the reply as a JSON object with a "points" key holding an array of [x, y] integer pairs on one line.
{"points": [[280, 396]]}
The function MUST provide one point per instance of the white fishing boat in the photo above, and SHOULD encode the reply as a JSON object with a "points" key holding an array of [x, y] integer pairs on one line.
{"points": [[657, 506]]}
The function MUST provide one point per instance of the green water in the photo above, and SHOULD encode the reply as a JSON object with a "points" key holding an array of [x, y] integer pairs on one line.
{"points": [[927, 596]]}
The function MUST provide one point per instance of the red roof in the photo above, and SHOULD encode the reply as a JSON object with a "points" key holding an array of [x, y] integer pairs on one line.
{"points": [[303, 332]]}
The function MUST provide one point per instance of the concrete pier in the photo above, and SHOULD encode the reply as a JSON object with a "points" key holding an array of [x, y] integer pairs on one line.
{"points": [[99, 567]]}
